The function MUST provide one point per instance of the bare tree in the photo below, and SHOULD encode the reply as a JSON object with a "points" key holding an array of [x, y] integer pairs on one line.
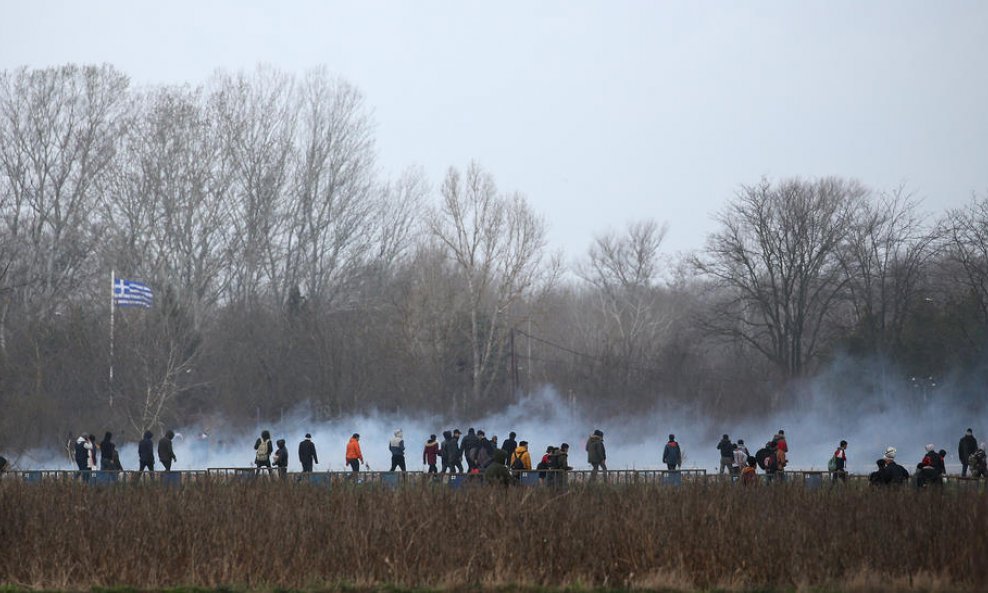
{"points": [[59, 134], [965, 231], [622, 271], [256, 120], [331, 213], [884, 260], [776, 267], [498, 246]]}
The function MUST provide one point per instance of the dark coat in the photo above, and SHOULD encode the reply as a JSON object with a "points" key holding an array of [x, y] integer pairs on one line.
{"points": [[726, 448], [497, 472], [282, 455], [509, 445], [596, 454], [145, 450], [307, 452], [451, 451], [165, 451], [108, 455], [470, 442], [672, 454], [967, 446]]}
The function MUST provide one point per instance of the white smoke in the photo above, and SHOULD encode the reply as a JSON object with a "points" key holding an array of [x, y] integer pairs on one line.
{"points": [[851, 401]]}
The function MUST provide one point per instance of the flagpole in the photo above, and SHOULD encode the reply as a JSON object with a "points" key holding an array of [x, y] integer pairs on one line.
{"points": [[113, 281]]}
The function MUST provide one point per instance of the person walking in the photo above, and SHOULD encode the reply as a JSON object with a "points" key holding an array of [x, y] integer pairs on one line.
{"points": [[470, 442], [145, 452], [446, 451], [977, 464], [559, 462], [496, 472], [108, 459], [457, 452], [307, 454], [521, 459], [263, 449], [353, 455], [483, 453], [967, 445], [510, 444], [740, 458], [726, 448], [430, 453], [166, 454], [838, 464], [281, 459], [596, 454], [397, 448], [672, 455], [83, 447]]}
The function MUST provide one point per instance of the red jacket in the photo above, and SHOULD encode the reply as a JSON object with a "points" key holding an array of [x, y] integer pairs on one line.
{"points": [[430, 453]]}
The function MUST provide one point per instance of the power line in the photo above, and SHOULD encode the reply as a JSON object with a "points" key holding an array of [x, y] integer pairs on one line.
{"points": [[598, 359]]}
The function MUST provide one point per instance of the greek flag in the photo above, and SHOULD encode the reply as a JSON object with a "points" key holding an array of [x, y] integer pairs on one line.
{"points": [[129, 293]]}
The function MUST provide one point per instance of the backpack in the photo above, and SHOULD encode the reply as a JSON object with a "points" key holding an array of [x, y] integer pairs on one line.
{"points": [[832, 464], [760, 457], [517, 463], [262, 451], [770, 462]]}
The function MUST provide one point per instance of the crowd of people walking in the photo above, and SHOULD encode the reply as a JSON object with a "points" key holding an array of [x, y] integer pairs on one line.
{"points": [[481, 457]]}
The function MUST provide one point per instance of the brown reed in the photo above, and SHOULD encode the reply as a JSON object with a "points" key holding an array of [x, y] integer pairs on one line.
{"points": [[264, 535]]}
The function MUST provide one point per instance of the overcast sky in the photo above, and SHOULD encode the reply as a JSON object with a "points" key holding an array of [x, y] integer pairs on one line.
{"points": [[600, 112]]}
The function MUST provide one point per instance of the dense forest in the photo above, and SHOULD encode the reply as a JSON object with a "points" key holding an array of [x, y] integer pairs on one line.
{"points": [[287, 270]]}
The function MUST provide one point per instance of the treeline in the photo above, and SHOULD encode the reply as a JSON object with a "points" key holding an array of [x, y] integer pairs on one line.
{"points": [[288, 270]]}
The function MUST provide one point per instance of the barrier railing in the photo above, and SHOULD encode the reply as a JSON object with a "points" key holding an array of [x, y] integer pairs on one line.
{"points": [[533, 478]]}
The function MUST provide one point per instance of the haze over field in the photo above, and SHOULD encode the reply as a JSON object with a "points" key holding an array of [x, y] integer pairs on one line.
{"points": [[544, 218]]}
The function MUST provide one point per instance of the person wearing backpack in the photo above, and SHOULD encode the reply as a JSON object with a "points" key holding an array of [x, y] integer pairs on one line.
{"points": [[496, 473], [965, 448], [483, 453], [263, 450], [838, 463], [545, 463], [672, 455], [559, 461], [521, 460], [977, 463], [930, 469], [767, 459]]}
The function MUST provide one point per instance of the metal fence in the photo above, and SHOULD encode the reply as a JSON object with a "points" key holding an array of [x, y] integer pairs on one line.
{"points": [[528, 478]]}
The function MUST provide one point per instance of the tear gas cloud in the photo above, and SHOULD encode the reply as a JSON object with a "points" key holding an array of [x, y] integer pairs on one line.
{"points": [[850, 401]]}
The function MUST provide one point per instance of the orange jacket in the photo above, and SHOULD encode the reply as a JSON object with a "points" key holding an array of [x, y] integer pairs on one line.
{"points": [[353, 450]]}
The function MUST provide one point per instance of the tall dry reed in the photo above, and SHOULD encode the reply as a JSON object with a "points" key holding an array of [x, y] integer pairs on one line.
{"points": [[264, 535]]}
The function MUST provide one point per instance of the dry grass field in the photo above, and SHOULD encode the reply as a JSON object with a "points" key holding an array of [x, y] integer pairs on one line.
{"points": [[270, 536]]}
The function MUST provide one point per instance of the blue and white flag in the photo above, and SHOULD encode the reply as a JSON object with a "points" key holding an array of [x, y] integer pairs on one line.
{"points": [[130, 293]]}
